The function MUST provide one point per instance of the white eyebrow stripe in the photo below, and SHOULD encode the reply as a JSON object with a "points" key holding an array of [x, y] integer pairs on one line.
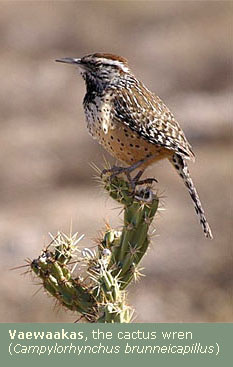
{"points": [[115, 62]]}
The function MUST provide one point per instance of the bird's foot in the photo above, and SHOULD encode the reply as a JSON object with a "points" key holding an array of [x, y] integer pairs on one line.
{"points": [[135, 181], [138, 182], [115, 171]]}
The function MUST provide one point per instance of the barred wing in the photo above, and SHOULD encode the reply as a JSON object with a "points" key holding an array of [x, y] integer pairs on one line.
{"points": [[147, 115]]}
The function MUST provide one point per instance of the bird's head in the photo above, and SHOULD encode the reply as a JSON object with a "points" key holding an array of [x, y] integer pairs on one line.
{"points": [[99, 67]]}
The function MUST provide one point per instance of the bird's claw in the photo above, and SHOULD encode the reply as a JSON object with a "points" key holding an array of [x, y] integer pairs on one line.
{"points": [[135, 181]]}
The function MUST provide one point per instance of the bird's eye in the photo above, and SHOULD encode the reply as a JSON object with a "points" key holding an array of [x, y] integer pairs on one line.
{"points": [[98, 63]]}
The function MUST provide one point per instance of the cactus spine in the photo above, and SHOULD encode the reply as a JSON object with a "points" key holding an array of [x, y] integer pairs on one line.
{"points": [[100, 295]]}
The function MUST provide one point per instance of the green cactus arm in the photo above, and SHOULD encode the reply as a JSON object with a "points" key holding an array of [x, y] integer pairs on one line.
{"points": [[101, 297]]}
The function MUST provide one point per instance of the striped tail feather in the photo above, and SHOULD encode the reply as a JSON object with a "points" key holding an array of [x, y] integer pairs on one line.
{"points": [[181, 166]]}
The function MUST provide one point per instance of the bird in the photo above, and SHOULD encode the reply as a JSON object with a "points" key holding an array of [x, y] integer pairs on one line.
{"points": [[132, 123]]}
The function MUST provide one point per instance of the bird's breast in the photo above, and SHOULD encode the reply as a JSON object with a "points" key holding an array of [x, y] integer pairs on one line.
{"points": [[118, 139], [98, 116]]}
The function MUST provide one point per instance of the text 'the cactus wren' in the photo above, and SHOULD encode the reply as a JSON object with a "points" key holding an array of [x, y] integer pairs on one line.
{"points": [[132, 123]]}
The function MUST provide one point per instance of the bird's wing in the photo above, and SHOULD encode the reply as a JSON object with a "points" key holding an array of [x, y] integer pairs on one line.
{"points": [[147, 115]]}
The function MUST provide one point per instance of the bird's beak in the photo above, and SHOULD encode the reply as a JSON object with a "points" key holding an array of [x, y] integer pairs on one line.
{"points": [[70, 60]]}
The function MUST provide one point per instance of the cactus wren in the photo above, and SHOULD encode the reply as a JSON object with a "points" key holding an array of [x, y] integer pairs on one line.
{"points": [[132, 123]]}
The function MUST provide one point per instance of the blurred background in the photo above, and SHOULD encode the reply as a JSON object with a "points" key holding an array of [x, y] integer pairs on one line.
{"points": [[183, 52]]}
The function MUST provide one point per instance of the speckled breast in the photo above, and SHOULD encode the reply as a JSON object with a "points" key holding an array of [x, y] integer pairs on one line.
{"points": [[118, 139]]}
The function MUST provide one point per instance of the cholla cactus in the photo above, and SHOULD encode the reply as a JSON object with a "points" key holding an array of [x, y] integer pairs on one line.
{"points": [[93, 282]]}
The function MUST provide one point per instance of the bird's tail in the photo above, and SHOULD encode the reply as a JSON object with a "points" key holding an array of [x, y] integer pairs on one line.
{"points": [[181, 166]]}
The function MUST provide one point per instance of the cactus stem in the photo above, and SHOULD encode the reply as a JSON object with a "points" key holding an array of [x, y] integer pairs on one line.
{"points": [[93, 282]]}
